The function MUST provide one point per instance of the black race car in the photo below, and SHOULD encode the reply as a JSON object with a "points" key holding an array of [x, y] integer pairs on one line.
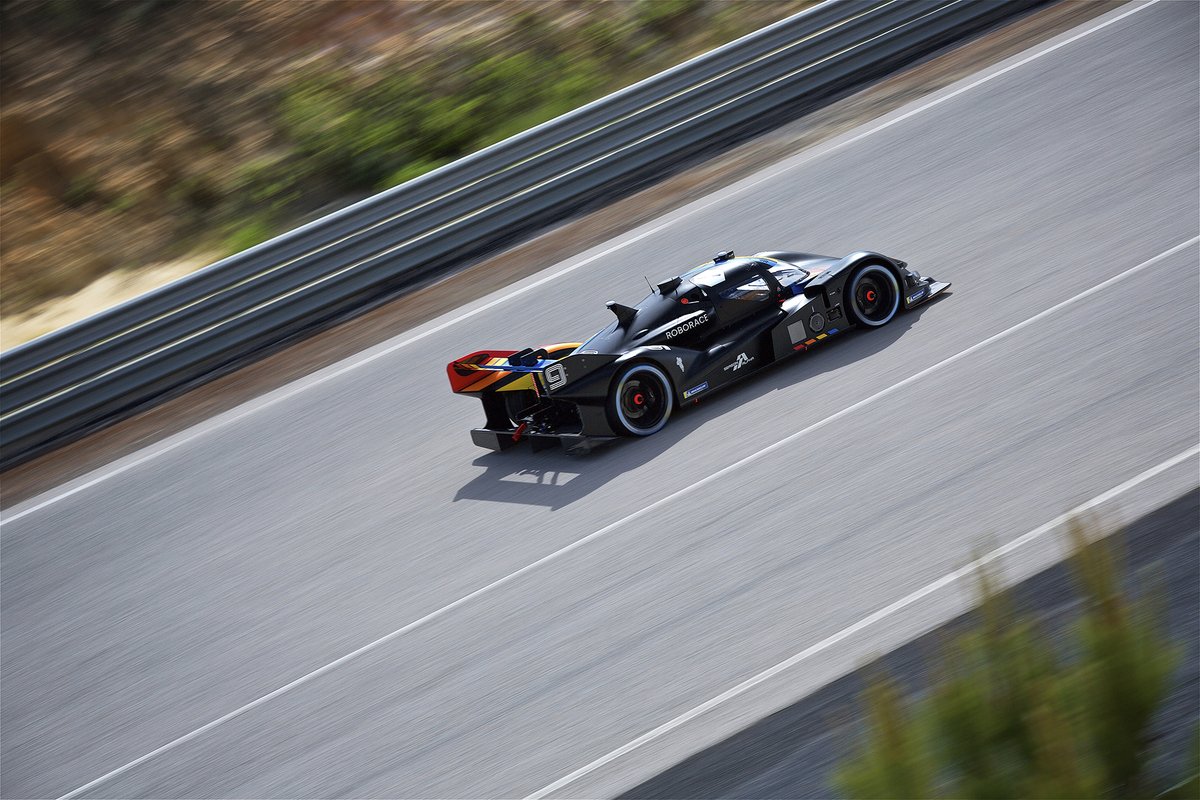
{"points": [[696, 333]]}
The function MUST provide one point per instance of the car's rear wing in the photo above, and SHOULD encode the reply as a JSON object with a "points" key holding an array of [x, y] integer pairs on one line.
{"points": [[503, 370]]}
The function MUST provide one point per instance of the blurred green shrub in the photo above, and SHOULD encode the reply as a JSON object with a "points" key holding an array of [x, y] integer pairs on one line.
{"points": [[248, 234], [81, 190], [1010, 715], [365, 135], [349, 132]]}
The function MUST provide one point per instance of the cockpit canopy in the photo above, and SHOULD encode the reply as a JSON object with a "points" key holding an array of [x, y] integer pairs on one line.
{"points": [[692, 301], [714, 275]]}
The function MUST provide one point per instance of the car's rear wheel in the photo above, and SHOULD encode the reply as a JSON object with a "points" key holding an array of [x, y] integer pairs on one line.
{"points": [[873, 295], [641, 400], [517, 403]]}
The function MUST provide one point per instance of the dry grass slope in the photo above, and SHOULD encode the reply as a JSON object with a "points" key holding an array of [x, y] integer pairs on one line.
{"points": [[143, 138]]}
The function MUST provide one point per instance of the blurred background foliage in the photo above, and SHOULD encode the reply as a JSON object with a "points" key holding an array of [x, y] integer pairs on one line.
{"points": [[139, 131], [1013, 712]]}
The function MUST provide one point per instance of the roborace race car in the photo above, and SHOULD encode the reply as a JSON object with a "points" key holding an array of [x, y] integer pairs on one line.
{"points": [[695, 334]]}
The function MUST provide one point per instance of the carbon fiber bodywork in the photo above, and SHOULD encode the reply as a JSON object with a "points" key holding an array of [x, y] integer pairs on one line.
{"points": [[696, 334]]}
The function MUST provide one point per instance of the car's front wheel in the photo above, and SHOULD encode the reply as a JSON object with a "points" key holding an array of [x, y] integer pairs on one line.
{"points": [[873, 295], [641, 400]]}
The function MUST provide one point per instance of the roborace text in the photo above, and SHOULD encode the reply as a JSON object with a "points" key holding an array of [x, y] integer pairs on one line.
{"points": [[687, 326]]}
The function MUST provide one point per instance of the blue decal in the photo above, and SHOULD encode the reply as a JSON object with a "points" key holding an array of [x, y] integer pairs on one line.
{"points": [[832, 331], [914, 297], [695, 390]]}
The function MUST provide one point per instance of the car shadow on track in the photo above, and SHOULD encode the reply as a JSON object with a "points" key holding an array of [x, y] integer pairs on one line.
{"points": [[553, 479]]}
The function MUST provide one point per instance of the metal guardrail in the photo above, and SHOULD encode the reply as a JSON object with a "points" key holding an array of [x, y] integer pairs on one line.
{"points": [[97, 370]]}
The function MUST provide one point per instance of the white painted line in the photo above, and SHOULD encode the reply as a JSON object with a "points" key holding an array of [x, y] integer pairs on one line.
{"points": [[557, 554], [865, 622], [286, 392]]}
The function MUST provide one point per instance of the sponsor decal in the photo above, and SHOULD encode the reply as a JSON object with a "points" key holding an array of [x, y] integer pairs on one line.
{"points": [[742, 360], [816, 322], [695, 390], [917, 295], [556, 376], [797, 332], [679, 361], [687, 326]]}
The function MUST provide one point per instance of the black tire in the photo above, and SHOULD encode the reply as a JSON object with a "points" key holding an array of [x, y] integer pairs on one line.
{"points": [[640, 401], [872, 295], [517, 402]]}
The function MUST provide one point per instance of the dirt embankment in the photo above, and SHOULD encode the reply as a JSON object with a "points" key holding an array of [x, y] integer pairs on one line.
{"points": [[141, 139]]}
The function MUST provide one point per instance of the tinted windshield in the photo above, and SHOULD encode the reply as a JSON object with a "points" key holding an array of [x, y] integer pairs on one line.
{"points": [[755, 289], [787, 275], [713, 274], [709, 276]]}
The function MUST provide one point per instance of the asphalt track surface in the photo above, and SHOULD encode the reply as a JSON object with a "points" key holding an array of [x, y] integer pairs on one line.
{"points": [[796, 751], [178, 603]]}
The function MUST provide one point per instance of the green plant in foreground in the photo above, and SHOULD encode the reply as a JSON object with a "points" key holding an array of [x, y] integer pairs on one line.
{"points": [[1011, 715]]}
